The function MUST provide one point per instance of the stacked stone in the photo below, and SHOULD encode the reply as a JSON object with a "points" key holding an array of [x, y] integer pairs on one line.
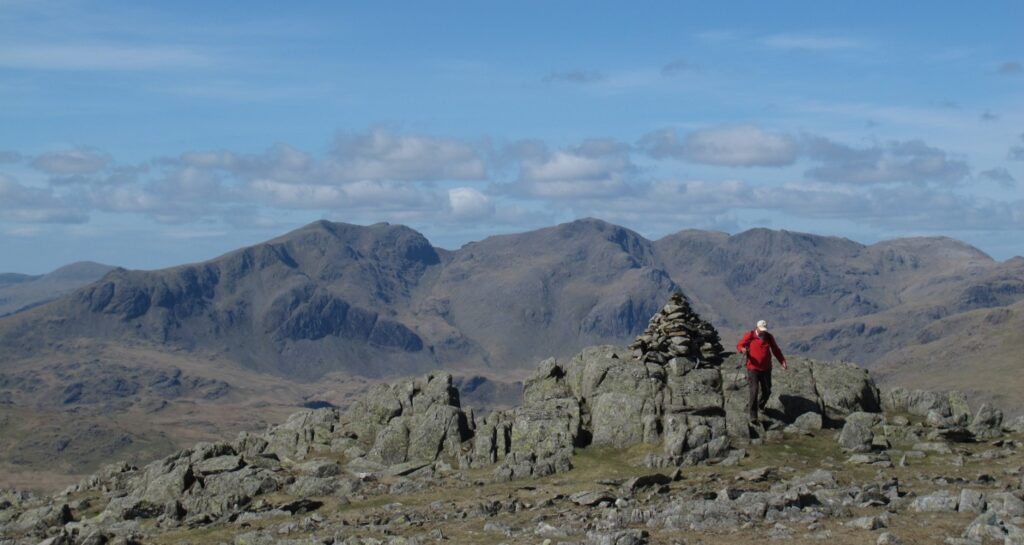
{"points": [[676, 331]]}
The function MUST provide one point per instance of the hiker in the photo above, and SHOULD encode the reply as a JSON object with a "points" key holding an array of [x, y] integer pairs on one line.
{"points": [[759, 345]]}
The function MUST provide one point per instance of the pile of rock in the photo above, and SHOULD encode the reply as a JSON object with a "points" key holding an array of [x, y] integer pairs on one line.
{"points": [[676, 331]]}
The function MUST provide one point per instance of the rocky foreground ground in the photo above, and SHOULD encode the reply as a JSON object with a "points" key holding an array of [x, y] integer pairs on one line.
{"points": [[616, 446]]}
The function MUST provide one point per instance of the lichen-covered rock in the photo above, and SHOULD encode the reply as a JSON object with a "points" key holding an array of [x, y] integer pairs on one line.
{"points": [[36, 521], [856, 436], [845, 388], [302, 433], [987, 423], [545, 428], [808, 422], [936, 502]]}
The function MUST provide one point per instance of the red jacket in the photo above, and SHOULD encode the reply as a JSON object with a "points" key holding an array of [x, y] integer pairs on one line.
{"points": [[760, 350]]}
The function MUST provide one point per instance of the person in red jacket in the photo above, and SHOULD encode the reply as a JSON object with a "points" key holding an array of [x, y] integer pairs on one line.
{"points": [[759, 345]]}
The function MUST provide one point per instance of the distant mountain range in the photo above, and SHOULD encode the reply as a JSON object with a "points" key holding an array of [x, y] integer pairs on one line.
{"points": [[19, 292], [332, 305], [380, 300]]}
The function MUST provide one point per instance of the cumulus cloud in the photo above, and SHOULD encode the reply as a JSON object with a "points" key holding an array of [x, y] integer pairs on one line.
{"points": [[999, 175], [892, 162], [598, 167], [72, 161], [25, 204], [381, 154], [727, 145], [574, 76], [467, 203]]}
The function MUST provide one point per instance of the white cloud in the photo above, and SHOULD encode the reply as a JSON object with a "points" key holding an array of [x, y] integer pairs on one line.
{"points": [[72, 161], [727, 145], [25, 204], [909, 161], [381, 154], [469, 203], [597, 167]]}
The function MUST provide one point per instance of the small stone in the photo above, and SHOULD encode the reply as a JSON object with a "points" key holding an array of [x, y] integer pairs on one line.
{"points": [[888, 538], [867, 523], [591, 498], [808, 422]]}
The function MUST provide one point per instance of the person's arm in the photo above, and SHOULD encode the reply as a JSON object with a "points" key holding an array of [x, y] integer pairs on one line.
{"points": [[744, 343], [777, 352]]}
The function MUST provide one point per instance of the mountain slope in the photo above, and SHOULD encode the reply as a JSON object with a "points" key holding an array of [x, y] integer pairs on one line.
{"points": [[20, 292], [321, 298], [380, 300], [978, 352], [550, 292]]}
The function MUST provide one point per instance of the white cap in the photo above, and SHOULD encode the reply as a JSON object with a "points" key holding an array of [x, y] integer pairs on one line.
{"points": [[762, 325]]}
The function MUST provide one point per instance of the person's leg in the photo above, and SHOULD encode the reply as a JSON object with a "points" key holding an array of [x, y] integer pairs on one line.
{"points": [[754, 383], [765, 388]]}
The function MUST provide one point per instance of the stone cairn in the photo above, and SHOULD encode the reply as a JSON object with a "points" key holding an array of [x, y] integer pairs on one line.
{"points": [[676, 331]]}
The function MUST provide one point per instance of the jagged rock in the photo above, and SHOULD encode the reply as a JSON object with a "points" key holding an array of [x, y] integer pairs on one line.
{"points": [[546, 428], [870, 522], [302, 433], [921, 402], [319, 468], [591, 498], [987, 423], [391, 446], [991, 526], [794, 391], [856, 436], [808, 422], [622, 537], [219, 464], [845, 388], [936, 502], [757, 474], [439, 430], [645, 481], [888, 538], [39, 519], [163, 485], [971, 501], [306, 486], [934, 447], [226, 493], [1006, 504]]}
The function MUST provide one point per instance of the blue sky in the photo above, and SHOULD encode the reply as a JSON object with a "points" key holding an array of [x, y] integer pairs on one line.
{"points": [[147, 134]]}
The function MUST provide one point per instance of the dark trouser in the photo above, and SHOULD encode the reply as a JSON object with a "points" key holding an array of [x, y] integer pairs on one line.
{"points": [[760, 382]]}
